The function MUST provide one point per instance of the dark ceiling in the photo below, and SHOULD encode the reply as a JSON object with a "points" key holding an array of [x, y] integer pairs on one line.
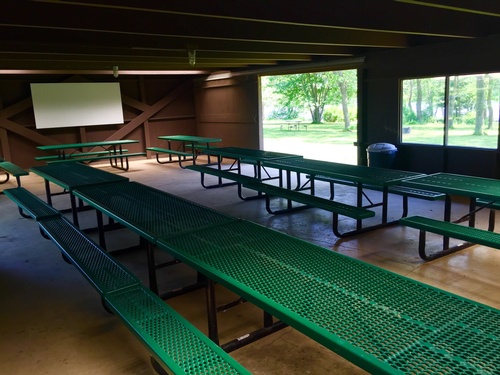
{"points": [[95, 35]]}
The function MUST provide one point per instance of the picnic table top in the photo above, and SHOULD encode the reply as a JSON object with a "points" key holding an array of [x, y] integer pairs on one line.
{"points": [[150, 212], [348, 172], [470, 186], [381, 321], [249, 153], [189, 138], [71, 175]]}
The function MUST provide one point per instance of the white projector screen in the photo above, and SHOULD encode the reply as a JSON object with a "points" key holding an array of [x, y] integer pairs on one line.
{"points": [[58, 105]]}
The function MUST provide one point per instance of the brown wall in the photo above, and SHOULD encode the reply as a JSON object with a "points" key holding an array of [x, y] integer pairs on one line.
{"points": [[152, 106], [229, 109]]}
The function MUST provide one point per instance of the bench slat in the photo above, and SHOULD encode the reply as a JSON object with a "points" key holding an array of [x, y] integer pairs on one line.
{"points": [[222, 173], [94, 158], [168, 151], [31, 204], [76, 155], [314, 201], [458, 231], [13, 169], [100, 269], [170, 338], [491, 205]]}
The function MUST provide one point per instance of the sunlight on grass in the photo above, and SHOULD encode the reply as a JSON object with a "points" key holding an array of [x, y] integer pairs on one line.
{"points": [[460, 135], [327, 141]]}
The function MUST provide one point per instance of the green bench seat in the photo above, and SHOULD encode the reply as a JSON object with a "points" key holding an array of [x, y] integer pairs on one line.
{"points": [[448, 229], [181, 155], [236, 178], [354, 212], [174, 343], [76, 155], [30, 205], [160, 150], [104, 273], [104, 157], [12, 169], [336, 208], [122, 157], [233, 176], [493, 206]]}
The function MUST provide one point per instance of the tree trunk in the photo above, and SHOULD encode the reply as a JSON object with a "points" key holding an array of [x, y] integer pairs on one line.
{"points": [[451, 102], [345, 108], [316, 114], [489, 104], [480, 105], [419, 102]]}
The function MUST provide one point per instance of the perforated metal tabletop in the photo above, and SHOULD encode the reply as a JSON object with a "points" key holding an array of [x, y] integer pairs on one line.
{"points": [[249, 153], [381, 321], [470, 186], [150, 212], [72, 175], [353, 173]]}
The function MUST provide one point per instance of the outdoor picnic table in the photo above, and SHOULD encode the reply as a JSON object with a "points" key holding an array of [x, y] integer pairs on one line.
{"points": [[149, 212], [472, 187], [358, 175], [189, 141], [383, 322], [187, 148], [248, 155], [111, 149], [70, 176], [115, 147]]}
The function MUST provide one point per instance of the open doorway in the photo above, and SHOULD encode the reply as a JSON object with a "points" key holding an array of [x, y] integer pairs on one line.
{"points": [[311, 114]]}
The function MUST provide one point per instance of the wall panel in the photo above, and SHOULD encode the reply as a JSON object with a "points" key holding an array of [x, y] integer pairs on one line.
{"points": [[163, 103]]}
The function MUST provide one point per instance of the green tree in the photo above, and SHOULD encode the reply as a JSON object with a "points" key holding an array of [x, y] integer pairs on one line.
{"points": [[313, 91]]}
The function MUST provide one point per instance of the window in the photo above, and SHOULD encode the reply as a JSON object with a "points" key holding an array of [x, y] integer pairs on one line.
{"points": [[451, 111]]}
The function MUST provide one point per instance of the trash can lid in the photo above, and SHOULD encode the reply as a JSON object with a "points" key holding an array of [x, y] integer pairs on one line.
{"points": [[381, 147]]}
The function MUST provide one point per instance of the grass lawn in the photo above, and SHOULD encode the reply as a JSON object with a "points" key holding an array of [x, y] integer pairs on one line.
{"points": [[327, 133], [331, 142], [327, 141], [460, 135]]}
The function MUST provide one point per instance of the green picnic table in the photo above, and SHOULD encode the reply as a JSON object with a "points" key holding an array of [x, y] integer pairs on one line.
{"points": [[359, 176], [70, 176], [381, 321], [149, 212], [187, 149], [242, 155], [112, 149], [472, 187]]}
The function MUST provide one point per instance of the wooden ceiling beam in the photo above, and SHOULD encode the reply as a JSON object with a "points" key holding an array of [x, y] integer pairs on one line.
{"points": [[58, 40], [124, 22], [392, 16]]}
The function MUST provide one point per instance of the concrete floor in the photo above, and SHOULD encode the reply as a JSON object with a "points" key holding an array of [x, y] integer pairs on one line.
{"points": [[52, 321]]}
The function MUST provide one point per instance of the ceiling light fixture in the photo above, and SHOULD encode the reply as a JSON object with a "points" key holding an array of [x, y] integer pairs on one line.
{"points": [[115, 71], [192, 57]]}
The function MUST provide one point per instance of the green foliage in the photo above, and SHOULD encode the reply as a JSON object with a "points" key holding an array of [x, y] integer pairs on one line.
{"points": [[330, 116], [310, 92], [409, 117], [283, 113]]}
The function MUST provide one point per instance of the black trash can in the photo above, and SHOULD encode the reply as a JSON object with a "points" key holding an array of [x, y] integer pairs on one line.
{"points": [[381, 155]]}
